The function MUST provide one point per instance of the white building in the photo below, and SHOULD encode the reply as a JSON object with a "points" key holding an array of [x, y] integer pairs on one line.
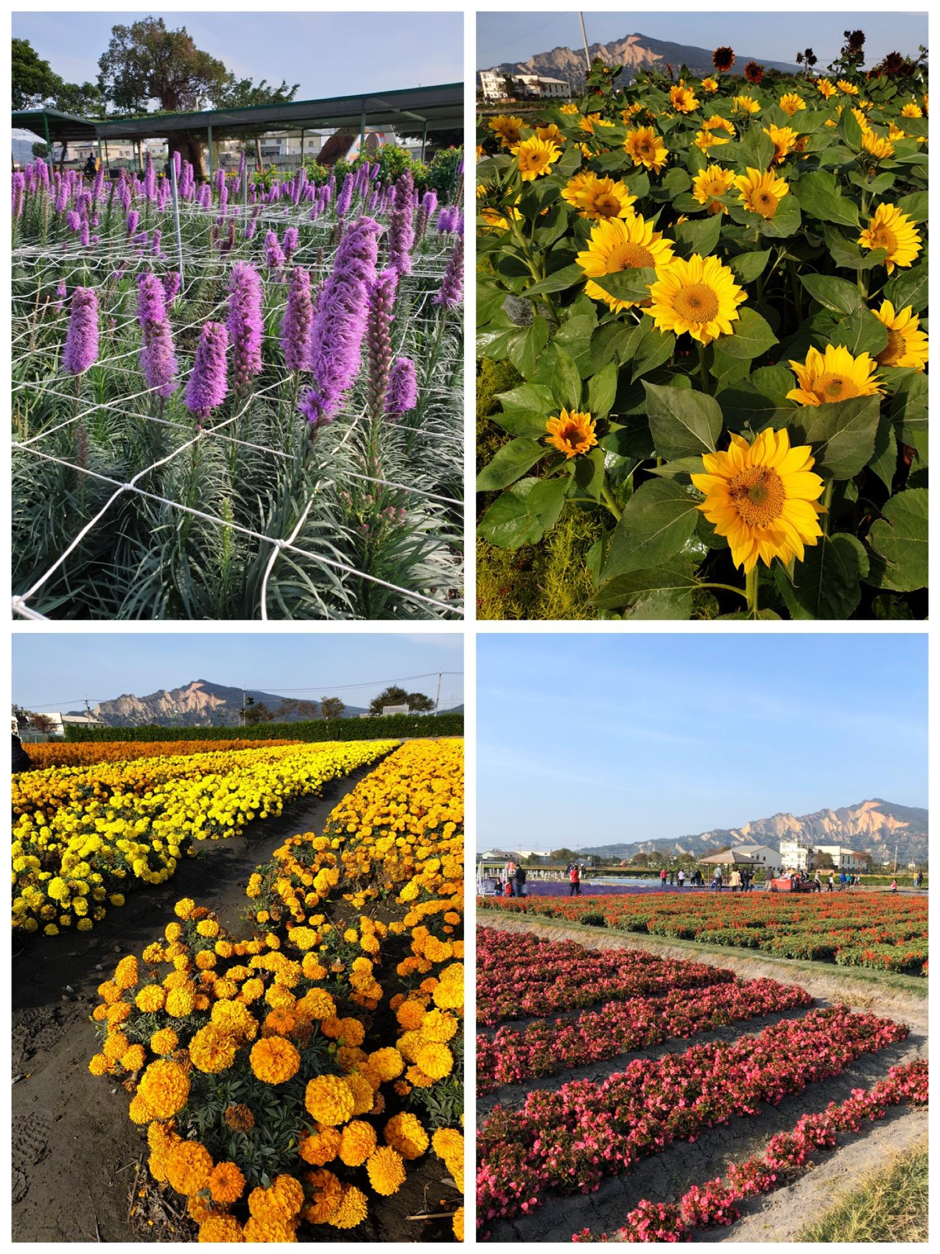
{"points": [[495, 85], [796, 855], [846, 859], [770, 859], [61, 721]]}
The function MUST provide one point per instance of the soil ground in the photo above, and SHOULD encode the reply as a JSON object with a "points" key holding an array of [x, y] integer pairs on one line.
{"points": [[75, 1152], [665, 1177]]}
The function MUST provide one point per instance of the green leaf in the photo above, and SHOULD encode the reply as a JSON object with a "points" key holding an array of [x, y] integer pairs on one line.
{"points": [[680, 466], [626, 589], [589, 473], [656, 522], [750, 338], [884, 463], [839, 295], [820, 197], [849, 130], [575, 338], [842, 434], [899, 537], [909, 413], [698, 237], [847, 255], [915, 206], [750, 266], [602, 388], [785, 222], [652, 350], [567, 380], [525, 350], [628, 284], [682, 422], [861, 332], [511, 521], [908, 287], [757, 149], [564, 278], [509, 464], [827, 583]]}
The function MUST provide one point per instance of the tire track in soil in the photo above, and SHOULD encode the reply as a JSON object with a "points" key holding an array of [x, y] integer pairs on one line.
{"points": [[666, 1176], [74, 1148]]}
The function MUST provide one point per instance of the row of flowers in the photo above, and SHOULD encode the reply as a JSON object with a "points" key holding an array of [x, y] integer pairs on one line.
{"points": [[787, 1156], [74, 859], [860, 929], [52, 753], [285, 1076], [546, 1048], [569, 1139]]}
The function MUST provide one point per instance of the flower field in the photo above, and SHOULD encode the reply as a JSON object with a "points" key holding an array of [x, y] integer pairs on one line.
{"points": [[294, 1078], [85, 837], [851, 929], [704, 304], [574, 1134], [60, 754], [248, 407]]}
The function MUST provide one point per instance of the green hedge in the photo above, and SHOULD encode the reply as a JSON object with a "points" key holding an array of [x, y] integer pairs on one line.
{"points": [[393, 727]]}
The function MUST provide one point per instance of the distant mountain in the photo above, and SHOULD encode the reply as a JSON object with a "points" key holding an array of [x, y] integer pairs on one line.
{"points": [[634, 52], [196, 704], [873, 827]]}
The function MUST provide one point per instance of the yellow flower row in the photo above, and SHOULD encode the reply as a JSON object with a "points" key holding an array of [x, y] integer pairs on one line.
{"points": [[54, 753]]}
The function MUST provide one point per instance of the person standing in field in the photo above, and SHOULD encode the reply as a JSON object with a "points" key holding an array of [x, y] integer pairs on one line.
{"points": [[681, 878], [574, 881], [831, 883], [519, 879], [894, 886], [662, 878]]}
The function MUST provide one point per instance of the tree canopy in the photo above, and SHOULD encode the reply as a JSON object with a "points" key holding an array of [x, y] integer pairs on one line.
{"points": [[416, 702]]}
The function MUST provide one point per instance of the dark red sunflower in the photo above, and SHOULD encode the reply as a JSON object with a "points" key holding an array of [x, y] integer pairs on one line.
{"points": [[893, 63], [753, 72], [723, 59], [855, 39]]}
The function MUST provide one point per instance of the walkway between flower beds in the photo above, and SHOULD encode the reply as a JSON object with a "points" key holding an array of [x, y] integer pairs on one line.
{"points": [[58, 1102]]}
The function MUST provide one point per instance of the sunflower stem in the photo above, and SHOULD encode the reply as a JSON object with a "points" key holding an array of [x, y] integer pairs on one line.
{"points": [[827, 502], [725, 587], [609, 499], [751, 584], [701, 366]]}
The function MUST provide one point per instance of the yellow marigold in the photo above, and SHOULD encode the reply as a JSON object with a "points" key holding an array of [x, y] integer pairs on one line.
{"points": [[274, 1060], [164, 1086], [326, 1193], [363, 1094], [447, 1144], [212, 1049], [458, 1223], [386, 1171], [138, 1111], [183, 909], [188, 1165], [387, 1062], [220, 1228], [329, 1100], [134, 1058], [272, 1232], [180, 1002], [351, 1211], [434, 1060], [150, 998], [164, 1041], [226, 1183], [279, 1203], [405, 1134], [99, 1064], [115, 1046], [320, 1147], [126, 974], [356, 1143], [208, 928]]}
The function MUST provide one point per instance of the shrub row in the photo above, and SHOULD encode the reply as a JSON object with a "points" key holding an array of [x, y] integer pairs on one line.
{"points": [[392, 727]]}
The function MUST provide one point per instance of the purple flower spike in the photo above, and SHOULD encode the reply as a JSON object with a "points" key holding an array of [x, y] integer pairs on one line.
{"points": [[171, 286], [151, 300], [245, 324], [158, 359], [298, 316], [81, 344], [451, 290], [402, 388], [208, 383], [401, 229]]}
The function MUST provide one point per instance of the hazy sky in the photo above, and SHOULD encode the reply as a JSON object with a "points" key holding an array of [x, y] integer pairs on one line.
{"points": [[56, 671], [328, 54], [589, 739], [776, 36]]}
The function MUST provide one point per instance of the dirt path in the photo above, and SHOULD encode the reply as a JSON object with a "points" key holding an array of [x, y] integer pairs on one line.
{"points": [[665, 1177], [74, 1149]]}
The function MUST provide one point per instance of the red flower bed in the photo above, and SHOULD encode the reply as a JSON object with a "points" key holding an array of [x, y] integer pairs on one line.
{"points": [[852, 929], [570, 1139], [714, 1204], [543, 1049]]}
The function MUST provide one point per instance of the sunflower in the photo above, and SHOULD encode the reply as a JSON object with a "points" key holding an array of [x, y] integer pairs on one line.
{"points": [[569, 108], [848, 88], [784, 141], [716, 123], [710, 85], [825, 88], [792, 103], [507, 128], [753, 72], [893, 231], [499, 219], [912, 111], [698, 295], [907, 344], [683, 98], [596, 198], [712, 182], [879, 147], [617, 245], [646, 148], [762, 498], [723, 59], [761, 193], [550, 133], [592, 121], [746, 104], [571, 433], [833, 376], [535, 156], [708, 139]]}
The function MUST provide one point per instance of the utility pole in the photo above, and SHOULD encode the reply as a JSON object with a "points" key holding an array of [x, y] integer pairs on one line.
{"points": [[587, 55], [896, 857], [437, 699]]}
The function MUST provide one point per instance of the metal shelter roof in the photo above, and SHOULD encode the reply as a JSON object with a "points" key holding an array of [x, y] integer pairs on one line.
{"points": [[436, 108]]}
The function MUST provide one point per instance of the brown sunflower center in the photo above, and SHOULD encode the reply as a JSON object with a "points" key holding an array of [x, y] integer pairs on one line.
{"points": [[884, 238], [606, 205], [765, 203], [894, 350], [696, 303], [834, 387], [631, 256], [758, 495]]}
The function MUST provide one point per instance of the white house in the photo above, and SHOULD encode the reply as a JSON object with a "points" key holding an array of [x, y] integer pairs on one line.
{"points": [[846, 859], [770, 859], [61, 721], [797, 855], [495, 85]]}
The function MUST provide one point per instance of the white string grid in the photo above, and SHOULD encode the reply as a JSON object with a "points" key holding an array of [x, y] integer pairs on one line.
{"points": [[122, 258]]}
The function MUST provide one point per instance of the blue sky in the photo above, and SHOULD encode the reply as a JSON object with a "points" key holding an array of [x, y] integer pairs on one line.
{"points": [[328, 54], [775, 36], [55, 671], [593, 739]]}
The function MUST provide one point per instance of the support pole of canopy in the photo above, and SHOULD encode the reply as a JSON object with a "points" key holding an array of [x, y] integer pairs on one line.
{"points": [[209, 133], [302, 134], [176, 217], [424, 139], [107, 159], [45, 126], [99, 150], [362, 132]]}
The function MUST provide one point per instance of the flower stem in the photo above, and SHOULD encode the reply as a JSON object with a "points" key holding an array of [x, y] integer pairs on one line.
{"points": [[751, 588], [701, 365], [827, 502], [609, 499], [725, 587]]}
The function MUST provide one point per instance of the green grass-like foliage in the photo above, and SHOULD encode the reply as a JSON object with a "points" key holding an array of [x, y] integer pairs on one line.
{"points": [[393, 726], [890, 1206]]}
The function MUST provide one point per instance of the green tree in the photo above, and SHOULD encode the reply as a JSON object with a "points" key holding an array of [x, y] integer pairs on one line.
{"points": [[34, 81], [255, 712], [419, 703], [564, 855], [40, 149], [242, 93], [332, 707], [393, 695]]}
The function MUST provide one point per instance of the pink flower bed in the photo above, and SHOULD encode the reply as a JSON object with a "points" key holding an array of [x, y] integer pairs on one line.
{"points": [[788, 1154], [568, 1140], [546, 1048]]}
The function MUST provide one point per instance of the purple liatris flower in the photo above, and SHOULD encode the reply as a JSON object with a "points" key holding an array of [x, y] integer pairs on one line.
{"points": [[133, 219], [298, 316], [400, 229], [158, 358], [171, 286], [451, 289], [339, 323], [379, 338], [429, 202], [291, 240], [81, 344], [344, 199], [273, 256], [402, 392], [60, 292], [208, 383], [245, 324], [151, 299]]}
